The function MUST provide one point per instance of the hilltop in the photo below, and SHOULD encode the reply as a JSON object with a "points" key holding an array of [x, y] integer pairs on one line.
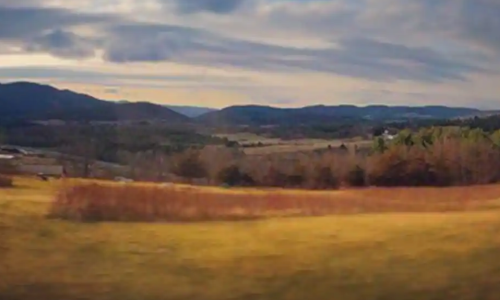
{"points": [[264, 115]]}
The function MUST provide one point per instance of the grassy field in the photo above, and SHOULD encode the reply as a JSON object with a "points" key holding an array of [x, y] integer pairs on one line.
{"points": [[432, 255], [275, 145]]}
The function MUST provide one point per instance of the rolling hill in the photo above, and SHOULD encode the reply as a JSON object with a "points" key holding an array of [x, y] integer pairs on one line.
{"points": [[188, 111], [32, 101], [114, 112], [264, 115]]}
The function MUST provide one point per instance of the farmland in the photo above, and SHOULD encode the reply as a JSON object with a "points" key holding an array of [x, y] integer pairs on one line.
{"points": [[422, 253], [275, 145]]}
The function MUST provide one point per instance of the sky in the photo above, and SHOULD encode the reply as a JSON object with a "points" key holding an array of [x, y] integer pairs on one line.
{"points": [[285, 53]]}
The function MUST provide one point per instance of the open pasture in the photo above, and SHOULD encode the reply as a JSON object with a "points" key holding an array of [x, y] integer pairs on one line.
{"points": [[412, 254], [275, 145]]}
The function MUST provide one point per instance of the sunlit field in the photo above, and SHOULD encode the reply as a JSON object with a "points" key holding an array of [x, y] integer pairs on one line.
{"points": [[94, 201], [364, 244], [276, 145]]}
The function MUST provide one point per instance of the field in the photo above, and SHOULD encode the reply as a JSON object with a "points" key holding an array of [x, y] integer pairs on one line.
{"points": [[275, 145], [441, 254]]}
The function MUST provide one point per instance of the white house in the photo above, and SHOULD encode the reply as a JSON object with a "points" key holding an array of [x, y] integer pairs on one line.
{"points": [[387, 136]]}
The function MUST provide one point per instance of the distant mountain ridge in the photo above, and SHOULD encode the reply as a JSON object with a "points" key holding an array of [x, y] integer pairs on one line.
{"points": [[266, 115], [191, 111], [188, 111], [134, 111], [32, 101]]}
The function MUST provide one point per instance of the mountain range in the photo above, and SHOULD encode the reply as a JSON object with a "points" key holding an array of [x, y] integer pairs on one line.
{"points": [[263, 115], [32, 101], [188, 111], [191, 111]]}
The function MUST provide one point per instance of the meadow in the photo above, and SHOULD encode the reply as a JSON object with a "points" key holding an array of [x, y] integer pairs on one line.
{"points": [[93, 201], [280, 146], [443, 246]]}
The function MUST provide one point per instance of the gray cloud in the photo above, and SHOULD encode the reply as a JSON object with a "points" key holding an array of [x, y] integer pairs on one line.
{"points": [[387, 97], [63, 44], [282, 101], [111, 90], [28, 22], [93, 77], [414, 61], [480, 22], [48, 30], [363, 58], [214, 6], [390, 52], [149, 42], [20, 3]]}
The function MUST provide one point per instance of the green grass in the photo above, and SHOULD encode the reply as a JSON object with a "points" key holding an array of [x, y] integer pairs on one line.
{"points": [[372, 256]]}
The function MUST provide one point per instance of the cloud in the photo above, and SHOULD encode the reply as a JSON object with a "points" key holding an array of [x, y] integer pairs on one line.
{"points": [[357, 57], [20, 3], [480, 22], [62, 44], [378, 40], [282, 101], [26, 22], [461, 23], [422, 62], [148, 42], [115, 79], [36, 28], [213, 6], [111, 90]]}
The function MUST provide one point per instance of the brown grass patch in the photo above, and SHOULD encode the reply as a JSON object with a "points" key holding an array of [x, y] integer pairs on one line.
{"points": [[149, 203]]}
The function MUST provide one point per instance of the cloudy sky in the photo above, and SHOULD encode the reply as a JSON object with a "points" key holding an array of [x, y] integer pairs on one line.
{"points": [[271, 52]]}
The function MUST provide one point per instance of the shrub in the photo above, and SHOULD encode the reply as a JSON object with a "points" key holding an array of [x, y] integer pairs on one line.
{"points": [[7, 168], [281, 176], [324, 178], [275, 178], [190, 165], [154, 203], [402, 166], [233, 176], [6, 182], [142, 203], [232, 144], [356, 177], [431, 157]]}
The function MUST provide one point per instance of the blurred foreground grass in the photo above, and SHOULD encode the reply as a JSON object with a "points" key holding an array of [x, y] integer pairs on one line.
{"points": [[371, 256]]}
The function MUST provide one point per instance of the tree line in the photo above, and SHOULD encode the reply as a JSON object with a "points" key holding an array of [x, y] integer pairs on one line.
{"points": [[435, 156], [430, 156]]}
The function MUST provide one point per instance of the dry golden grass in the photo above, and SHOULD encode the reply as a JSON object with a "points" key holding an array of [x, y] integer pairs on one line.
{"points": [[93, 201], [394, 256]]}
